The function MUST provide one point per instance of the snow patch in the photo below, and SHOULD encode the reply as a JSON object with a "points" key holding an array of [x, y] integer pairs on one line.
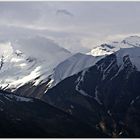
{"points": [[132, 102], [96, 96], [49, 85], [18, 98], [79, 80], [100, 51]]}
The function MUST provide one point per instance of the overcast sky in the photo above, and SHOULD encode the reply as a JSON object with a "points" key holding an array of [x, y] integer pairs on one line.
{"points": [[73, 25]]}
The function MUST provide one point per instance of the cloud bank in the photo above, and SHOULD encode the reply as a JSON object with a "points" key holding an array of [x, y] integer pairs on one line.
{"points": [[77, 26]]}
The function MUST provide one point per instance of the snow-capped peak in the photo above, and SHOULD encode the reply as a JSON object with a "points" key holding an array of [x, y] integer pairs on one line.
{"points": [[132, 53], [28, 60], [35, 59], [38, 46], [104, 49], [107, 49], [73, 65], [132, 40], [80, 61]]}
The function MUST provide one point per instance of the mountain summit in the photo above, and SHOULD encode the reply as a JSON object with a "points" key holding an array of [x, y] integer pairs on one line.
{"points": [[100, 89], [106, 94], [28, 60]]}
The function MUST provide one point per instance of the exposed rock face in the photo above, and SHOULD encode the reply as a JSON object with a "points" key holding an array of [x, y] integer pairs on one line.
{"points": [[106, 91], [105, 96]]}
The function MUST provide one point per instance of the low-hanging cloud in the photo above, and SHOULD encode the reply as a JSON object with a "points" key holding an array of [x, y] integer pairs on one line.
{"points": [[85, 23]]}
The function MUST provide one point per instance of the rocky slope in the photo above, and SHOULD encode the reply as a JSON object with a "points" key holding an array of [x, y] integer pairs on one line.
{"points": [[104, 95], [75, 64], [109, 91], [22, 117]]}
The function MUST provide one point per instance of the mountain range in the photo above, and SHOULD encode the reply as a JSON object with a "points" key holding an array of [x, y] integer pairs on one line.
{"points": [[100, 89]]}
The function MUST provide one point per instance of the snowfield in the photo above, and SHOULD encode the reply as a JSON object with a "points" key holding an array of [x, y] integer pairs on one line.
{"points": [[25, 60], [37, 59]]}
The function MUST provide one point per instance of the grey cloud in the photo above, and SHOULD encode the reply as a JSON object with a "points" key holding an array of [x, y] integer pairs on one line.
{"points": [[64, 12], [21, 12], [92, 22]]}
